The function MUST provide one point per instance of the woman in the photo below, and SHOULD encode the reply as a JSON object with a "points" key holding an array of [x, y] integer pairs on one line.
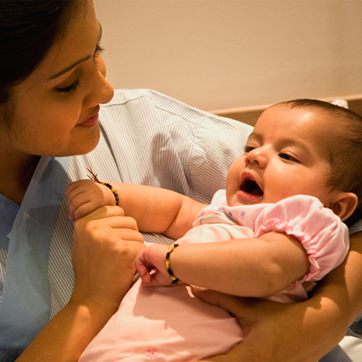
{"points": [[52, 82]]}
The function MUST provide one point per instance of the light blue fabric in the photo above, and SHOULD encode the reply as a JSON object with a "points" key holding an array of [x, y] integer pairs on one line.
{"points": [[8, 212], [27, 262]]}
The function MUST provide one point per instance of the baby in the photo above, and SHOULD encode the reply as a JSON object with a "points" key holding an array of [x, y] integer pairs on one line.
{"points": [[272, 233]]}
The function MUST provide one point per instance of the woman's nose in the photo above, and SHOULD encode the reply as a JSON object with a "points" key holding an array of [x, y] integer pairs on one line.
{"points": [[107, 90], [102, 92], [106, 93], [256, 156]]}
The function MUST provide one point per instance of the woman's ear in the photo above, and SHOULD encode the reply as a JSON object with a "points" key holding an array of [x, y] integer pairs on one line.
{"points": [[344, 204]]}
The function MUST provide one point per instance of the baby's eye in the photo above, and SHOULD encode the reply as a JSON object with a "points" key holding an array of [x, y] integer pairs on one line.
{"points": [[287, 157], [248, 149]]}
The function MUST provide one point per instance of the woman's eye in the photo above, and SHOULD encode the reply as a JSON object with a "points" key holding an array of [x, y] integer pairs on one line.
{"points": [[70, 88], [99, 50], [287, 157]]}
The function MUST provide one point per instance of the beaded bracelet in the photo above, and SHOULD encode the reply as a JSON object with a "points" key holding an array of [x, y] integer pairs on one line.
{"points": [[114, 191], [93, 177], [168, 266]]}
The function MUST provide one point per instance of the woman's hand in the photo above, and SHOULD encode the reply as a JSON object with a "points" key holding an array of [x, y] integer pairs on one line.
{"points": [[105, 245], [104, 248], [299, 332], [266, 326]]}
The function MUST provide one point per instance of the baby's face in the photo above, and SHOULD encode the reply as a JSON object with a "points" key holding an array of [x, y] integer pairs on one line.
{"points": [[287, 154]]}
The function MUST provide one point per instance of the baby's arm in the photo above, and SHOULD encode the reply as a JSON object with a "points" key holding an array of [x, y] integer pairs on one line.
{"points": [[247, 267], [155, 209], [291, 244]]}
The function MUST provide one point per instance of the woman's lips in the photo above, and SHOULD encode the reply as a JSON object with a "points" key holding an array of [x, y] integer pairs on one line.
{"points": [[90, 122]]}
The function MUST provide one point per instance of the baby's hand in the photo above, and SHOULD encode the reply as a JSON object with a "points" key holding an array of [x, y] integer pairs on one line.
{"points": [[150, 263], [85, 196]]}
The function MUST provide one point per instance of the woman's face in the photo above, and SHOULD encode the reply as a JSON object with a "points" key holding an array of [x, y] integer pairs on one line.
{"points": [[55, 110]]}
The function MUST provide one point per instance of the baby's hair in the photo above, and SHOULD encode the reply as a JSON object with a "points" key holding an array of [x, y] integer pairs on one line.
{"points": [[346, 153]]}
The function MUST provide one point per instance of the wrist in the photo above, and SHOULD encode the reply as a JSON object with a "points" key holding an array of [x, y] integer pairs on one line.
{"points": [[168, 264], [97, 310], [112, 189], [94, 178]]}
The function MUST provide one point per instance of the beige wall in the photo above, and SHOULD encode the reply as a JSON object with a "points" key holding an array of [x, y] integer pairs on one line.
{"points": [[216, 54]]}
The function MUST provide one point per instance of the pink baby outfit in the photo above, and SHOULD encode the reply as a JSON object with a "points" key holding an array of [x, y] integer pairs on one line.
{"points": [[170, 324]]}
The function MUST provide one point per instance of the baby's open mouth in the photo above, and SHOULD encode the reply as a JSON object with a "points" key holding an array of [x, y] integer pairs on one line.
{"points": [[251, 187]]}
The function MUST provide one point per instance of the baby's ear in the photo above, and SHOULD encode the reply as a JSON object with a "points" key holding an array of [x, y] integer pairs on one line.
{"points": [[344, 204]]}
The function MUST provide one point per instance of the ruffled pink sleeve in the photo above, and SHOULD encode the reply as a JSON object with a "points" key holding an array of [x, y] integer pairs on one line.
{"points": [[322, 234]]}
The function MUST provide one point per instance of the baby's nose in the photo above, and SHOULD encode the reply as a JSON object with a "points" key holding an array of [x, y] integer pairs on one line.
{"points": [[256, 156]]}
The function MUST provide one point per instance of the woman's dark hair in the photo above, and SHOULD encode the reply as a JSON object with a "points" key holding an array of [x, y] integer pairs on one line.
{"points": [[345, 151], [28, 28]]}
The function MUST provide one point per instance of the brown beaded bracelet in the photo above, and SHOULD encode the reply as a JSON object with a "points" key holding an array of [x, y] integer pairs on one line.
{"points": [[168, 266], [93, 177], [114, 191]]}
